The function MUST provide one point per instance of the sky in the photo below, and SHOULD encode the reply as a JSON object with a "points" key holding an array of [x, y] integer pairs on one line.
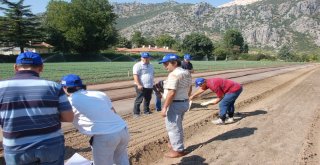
{"points": [[39, 6]]}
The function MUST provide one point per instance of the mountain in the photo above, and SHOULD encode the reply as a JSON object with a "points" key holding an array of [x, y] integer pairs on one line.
{"points": [[263, 24], [238, 2]]}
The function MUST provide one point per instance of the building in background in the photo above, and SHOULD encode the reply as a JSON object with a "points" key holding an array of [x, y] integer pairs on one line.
{"points": [[41, 48], [146, 49]]}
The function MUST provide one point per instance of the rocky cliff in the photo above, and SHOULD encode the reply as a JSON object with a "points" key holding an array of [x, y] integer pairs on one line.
{"points": [[238, 2], [265, 23]]}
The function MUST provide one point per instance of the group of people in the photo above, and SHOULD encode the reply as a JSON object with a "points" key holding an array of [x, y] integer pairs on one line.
{"points": [[176, 91], [143, 75], [32, 110]]}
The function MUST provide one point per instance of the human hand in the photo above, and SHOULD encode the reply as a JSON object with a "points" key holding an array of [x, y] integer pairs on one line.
{"points": [[164, 112], [140, 87]]}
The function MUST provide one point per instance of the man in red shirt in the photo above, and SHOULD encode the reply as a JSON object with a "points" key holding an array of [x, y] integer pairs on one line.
{"points": [[227, 92]]}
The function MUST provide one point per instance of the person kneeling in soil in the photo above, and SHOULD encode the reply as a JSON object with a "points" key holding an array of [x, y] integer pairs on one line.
{"points": [[95, 116], [227, 92], [177, 89]]}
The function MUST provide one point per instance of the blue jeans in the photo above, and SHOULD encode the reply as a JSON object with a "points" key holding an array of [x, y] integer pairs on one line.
{"points": [[45, 154], [158, 103], [226, 105]]}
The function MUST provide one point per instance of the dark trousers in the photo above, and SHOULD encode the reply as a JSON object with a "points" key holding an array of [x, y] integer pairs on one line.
{"points": [[146, 94]]}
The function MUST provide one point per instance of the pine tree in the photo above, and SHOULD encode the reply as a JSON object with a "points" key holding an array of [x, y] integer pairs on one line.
{"points": [[19, 27]]}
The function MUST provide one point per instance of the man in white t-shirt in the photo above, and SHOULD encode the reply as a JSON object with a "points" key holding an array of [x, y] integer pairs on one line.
{"points": [[177, 89], [143, 75], [95, 116]]}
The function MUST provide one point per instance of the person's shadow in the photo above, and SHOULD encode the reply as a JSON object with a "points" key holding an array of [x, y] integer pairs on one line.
{"points": [[193, 160], [236, 133], [241, 115]]}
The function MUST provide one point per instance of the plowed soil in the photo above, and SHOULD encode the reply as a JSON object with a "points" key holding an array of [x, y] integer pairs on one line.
{"points": [[277, 122]]}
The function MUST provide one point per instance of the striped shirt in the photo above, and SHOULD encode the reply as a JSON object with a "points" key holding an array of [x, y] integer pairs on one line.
{"points": [[145, 74], [179, 80], [30, 110]]}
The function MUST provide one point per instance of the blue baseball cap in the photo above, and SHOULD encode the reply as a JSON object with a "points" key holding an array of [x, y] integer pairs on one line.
{"points": [[199, 81], [145, 55], [29, 58], [169, 57], [71, 80], [187, 57]]}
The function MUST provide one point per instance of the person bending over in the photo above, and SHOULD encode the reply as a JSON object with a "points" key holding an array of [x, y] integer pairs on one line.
{"points": [[95, 116], [227, 92]]}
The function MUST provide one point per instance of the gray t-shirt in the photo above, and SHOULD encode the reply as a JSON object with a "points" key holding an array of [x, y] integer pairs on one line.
{"points": [[145, 74]]}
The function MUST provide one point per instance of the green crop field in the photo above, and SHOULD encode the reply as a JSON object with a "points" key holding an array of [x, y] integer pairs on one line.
{"points": [[103, 72]]}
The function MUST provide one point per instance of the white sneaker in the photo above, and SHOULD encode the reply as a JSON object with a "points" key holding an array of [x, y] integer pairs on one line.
{"points": [[135, 116], [230, 120], [217, 122]]}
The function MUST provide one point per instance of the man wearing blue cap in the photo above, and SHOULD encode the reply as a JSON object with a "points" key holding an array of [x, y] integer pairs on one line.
{"points": [[186, 64], [143, 75], [32, 110], [96, 117], [177, 89], [227, 92]]}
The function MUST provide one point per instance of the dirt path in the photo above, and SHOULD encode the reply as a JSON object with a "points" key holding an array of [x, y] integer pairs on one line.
{"points": [[275, 126], [281, 128]]}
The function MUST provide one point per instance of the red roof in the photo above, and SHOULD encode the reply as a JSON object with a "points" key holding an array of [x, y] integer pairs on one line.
{"points": [[146, 49], [42, 44]]}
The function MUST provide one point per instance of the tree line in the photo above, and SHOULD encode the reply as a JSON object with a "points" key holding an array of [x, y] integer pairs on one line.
{"points": [[86, 26]]}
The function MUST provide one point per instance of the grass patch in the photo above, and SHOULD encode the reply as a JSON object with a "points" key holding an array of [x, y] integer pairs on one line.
{"points": [[104, 72]]}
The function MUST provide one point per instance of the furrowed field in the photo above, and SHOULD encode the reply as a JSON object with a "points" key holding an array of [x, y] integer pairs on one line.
{"points": [[103, 72]]}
